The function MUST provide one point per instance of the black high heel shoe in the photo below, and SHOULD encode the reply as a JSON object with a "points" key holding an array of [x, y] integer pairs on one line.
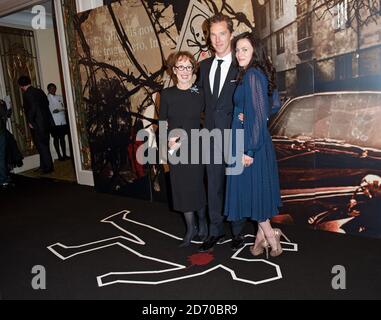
{"points": [[188, 238]]}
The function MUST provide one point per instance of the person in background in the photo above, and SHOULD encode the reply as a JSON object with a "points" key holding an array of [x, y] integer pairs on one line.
{"points": [[61, 128], [4, 175], [40, 121]]}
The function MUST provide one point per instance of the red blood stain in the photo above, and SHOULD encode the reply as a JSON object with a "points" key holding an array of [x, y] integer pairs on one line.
{"points": [[200, 259]]}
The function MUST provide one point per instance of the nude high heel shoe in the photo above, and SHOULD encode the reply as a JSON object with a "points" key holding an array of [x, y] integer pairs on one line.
{"points": [[257, 250], [279, 234], [260, 244], [260, 248], [276, 249]]}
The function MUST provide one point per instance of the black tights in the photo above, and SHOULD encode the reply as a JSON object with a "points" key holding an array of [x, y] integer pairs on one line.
{"points": [[192, 229], [57, 141]]}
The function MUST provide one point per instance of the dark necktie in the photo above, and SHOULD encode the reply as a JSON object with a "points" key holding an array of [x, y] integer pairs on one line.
{"points": [[217, 80]]}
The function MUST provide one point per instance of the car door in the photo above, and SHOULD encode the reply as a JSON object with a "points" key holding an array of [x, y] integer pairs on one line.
{"points": [[292, 133]]}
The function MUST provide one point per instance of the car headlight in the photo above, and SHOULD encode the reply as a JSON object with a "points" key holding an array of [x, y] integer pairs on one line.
{"points": [[371, 185]]}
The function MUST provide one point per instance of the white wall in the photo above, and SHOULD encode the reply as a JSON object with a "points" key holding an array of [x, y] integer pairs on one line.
{"points": [[47, 56], [49, 69]]}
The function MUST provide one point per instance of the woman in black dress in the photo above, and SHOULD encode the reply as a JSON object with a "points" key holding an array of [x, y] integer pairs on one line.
{"points": [[181, 106]]}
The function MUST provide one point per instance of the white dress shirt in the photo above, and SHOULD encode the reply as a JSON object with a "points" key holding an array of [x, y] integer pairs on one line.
{"points": [[225, 66], [56, 102]]}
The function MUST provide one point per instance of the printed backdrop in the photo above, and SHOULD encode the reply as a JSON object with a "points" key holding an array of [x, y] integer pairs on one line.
{"points": [[122, 50], [328, 59]]}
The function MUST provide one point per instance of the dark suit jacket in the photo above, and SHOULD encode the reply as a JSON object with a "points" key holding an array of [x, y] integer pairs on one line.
{"points": [[4, 114], [36, 105], [219, 115]]}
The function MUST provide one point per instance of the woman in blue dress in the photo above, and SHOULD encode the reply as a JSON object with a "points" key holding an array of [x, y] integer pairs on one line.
{"points": [[255, 193]]}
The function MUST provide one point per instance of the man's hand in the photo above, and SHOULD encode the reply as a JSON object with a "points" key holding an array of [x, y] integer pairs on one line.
{"points": [[30, 126], [241, 117]]}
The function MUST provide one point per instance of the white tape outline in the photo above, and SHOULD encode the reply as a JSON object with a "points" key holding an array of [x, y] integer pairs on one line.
{"points": [[131, 237]]}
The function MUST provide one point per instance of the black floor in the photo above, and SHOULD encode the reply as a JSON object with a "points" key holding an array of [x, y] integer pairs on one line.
{"points": [[43, 213]]}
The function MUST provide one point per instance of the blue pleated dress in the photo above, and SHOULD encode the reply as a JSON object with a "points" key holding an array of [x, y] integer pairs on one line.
{"points": [[254, 193]]}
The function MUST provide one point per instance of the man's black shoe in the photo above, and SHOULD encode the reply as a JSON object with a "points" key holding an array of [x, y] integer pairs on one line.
{"points": [[19, 163], [210, 243], [237, 243], [7, 186]]}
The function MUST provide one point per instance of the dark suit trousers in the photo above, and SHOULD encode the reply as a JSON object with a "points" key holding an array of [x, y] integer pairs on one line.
{"points": [[42, 140], [216, 199], [216, 190], [3, 165]]}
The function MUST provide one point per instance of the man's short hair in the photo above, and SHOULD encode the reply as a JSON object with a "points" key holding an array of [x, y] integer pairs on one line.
{"points": [[50, 85], [219, 17], [24, 81]]}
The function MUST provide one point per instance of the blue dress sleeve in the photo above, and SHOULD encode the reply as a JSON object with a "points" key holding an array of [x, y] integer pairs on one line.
{"points": [[256, 108], [275, 102]]}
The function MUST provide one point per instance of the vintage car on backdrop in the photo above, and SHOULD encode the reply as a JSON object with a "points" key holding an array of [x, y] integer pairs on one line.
{"points": [[329, 155]]}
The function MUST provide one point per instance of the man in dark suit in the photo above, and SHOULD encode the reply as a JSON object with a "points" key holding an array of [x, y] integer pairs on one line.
{"points": [[4, 178], [40, 121], [217, 77]]}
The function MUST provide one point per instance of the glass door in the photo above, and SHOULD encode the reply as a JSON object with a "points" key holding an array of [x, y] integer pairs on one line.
{"points": [[18, 57]]}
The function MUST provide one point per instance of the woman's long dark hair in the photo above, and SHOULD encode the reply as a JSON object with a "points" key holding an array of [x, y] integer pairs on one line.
{"points": [[259, 60]]}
